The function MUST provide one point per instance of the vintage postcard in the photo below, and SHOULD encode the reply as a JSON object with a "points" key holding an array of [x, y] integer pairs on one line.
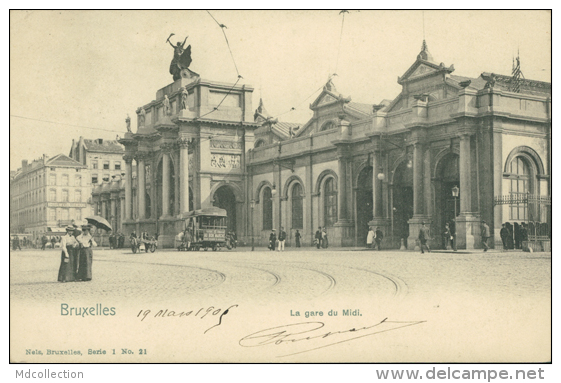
{"points": [[280, 186]]}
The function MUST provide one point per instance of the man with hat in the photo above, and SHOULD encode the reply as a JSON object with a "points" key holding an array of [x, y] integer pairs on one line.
{"points": [[423, 237], [68, 245], [86, 242], [485, 234]]}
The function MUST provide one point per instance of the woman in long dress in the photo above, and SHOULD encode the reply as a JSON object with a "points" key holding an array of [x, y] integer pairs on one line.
{"points": [[68, 246], [86, 242]]}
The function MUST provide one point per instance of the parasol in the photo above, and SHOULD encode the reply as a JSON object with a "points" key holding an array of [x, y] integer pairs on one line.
{"points": [[99, 222]]}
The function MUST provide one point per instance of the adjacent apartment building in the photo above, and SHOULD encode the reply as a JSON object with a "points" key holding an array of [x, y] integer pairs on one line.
{"points": [[48, 194], [103, 158]]}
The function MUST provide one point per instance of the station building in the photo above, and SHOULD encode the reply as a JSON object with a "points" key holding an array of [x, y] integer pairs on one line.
{"points": [[392, 165]]}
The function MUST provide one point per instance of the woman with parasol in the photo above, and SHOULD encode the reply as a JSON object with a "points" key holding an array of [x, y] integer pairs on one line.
{"points": [[86, 242]]}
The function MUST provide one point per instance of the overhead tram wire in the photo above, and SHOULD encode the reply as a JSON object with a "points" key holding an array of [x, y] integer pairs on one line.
{"points": [[62, 123], [304, 100], [222, 27], [340, 39], [336, 65]]}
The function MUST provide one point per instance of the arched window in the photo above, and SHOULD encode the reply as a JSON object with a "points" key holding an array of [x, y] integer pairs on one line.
{"points": [[259, 143], [519, 179], [327, 126], [267, 209], [329, 202], [297, 207]]}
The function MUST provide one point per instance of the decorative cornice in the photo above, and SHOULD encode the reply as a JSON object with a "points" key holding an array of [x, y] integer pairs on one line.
{"points": [[168, 147], [128, 158], [141, 156]]}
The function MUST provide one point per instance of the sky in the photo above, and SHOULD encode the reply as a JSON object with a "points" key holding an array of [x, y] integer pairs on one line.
{"points": [[71, 71]]}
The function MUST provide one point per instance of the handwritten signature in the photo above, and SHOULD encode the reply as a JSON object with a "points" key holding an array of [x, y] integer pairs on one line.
{"points": [[288, 334]]}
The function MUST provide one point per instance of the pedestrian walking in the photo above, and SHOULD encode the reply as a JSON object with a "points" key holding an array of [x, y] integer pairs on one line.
{"points": [[524, 236], [317, 237], [121, 241], [282, 238], [272, 240], [68, 246], [297, 237], [53, 241], [15, 243], [86, 242], [370, 238], [44, 241], [234, 239], [453, 240], [378, 238], [504, 236], [324, 240], [485, 234], [423, 238], [187, 239], [447, 236]]}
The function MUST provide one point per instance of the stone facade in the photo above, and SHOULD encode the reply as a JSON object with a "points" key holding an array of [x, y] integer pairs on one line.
{"points": [[190, 155], [392, 165]]}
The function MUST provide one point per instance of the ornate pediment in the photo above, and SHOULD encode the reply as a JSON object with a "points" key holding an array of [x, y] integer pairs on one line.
{"points": [[422, 70], [326, 99]]}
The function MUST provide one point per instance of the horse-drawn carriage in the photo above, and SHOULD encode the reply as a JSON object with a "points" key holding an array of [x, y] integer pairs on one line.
{"points": [[204, 229]]}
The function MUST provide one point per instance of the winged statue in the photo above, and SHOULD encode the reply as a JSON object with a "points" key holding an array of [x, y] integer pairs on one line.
{"points": [[181, 58]]}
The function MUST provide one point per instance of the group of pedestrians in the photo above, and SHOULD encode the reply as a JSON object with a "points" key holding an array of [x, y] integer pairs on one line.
{"points": [[278, 241], [76, 257], [513, 237], [320, 238], [374, 238], [117, 240]]}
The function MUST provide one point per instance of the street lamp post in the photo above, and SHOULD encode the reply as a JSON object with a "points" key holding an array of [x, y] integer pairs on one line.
{"points": [[252, 239], [455, 194]]}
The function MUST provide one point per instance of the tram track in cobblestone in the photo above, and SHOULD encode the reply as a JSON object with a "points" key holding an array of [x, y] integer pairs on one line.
{"points": [[332, 280], [400, 286], [275, 275], [219, 273]]}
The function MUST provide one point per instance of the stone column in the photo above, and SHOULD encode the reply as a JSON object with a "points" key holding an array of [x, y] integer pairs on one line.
{"points": [[465, 174], [376, 186], [417, 179], [123, 213], [467, 224], [128, 188], [427, 187], [113, 218], [165, 185], [183, 174], [341, 195], [141, 190], [419, 216], [308, 204], [104, 209]]}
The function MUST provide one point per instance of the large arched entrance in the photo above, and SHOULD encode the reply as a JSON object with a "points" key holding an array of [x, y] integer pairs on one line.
{"points": [[224, 198], [402, 194], [447, 206], [363, 203]]}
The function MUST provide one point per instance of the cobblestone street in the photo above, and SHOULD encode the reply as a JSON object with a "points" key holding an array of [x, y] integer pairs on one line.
{"points": [[494, 293]]}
